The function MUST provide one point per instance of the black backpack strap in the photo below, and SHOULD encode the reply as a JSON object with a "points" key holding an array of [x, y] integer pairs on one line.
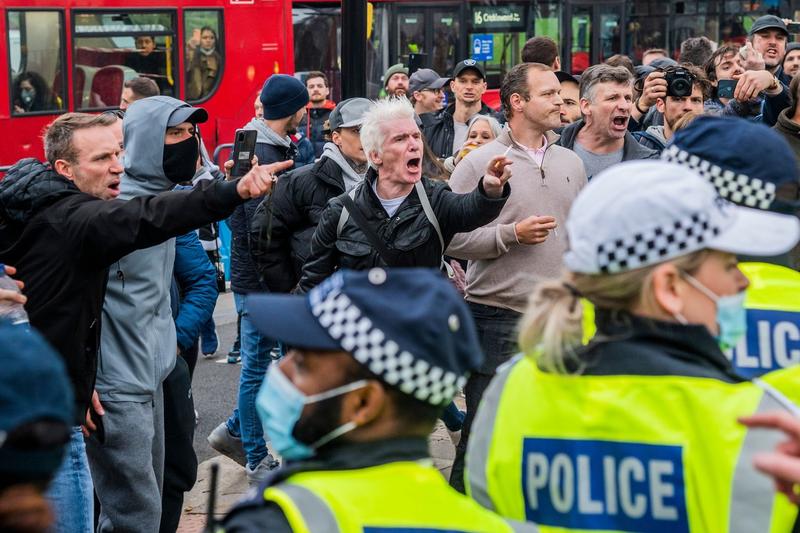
{"points": [[375, 241]]}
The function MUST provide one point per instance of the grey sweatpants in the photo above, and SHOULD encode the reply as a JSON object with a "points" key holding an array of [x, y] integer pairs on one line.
{"points": [[128, 469]]}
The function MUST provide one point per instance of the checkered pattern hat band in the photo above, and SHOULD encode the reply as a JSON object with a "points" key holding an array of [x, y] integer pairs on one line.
{"points": [[368, 344], [738, 188], [656, 244]]}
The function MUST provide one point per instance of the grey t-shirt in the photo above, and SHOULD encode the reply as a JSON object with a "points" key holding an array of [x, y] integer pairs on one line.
{"points": [[459, 136], [596, 163]]}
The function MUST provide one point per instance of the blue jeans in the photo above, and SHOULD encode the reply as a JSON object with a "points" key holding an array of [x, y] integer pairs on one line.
{"points": [[244, 422], [71, 492]]}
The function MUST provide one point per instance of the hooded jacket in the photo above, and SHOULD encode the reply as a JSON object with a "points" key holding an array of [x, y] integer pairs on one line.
{"points": [[653, 138], [790, 131], [138, 342], [439, 130], [297, 205], [62, 242], [270, 148]]}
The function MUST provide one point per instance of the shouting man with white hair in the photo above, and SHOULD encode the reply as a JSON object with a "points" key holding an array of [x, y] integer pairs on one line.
{"points": [[397, 217]]}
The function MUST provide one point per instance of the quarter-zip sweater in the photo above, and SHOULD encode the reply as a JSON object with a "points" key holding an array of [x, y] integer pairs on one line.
{"points": [[501, 271]]}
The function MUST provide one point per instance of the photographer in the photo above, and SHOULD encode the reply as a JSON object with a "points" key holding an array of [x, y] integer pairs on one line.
{"points": [[687, 89]]}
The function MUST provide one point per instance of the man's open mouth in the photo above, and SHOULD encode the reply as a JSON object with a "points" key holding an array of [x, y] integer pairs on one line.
{"points": [[620, 121], [413, 164]]}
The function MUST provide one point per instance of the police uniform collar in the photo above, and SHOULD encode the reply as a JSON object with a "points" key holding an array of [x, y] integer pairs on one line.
{"points": [[688, 344]]}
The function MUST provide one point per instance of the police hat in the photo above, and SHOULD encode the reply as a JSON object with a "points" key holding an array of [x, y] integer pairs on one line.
{"points": [[408, 326]]}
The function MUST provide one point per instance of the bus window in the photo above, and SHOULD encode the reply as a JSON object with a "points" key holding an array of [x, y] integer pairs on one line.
{"points": [[112, 48], [316, 42], [204, 53], [445, 41], [502, 28], [35, 43]]}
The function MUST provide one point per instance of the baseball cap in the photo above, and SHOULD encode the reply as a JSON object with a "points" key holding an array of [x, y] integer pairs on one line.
{"points": [[641, 213], [768, 22], [714, 148], [348, 113], [468, 63], [408, 326], [425, 78], [566, 76], [187, 113], [33, 386]]}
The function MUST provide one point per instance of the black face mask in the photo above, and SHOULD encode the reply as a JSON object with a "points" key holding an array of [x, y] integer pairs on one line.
{"points": [[180, 160]]}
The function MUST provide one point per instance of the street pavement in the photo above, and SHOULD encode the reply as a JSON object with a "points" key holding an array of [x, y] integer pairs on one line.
{"points": [[214, 387]]}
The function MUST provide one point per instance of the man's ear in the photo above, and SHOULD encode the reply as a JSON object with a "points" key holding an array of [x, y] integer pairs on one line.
{"points": [[375, 158], [64, 168], [661, 105], [364, 405], [585, 107]]}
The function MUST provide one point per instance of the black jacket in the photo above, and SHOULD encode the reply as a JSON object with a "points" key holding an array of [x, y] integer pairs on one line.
{"points": [[244, 276], [439, 130], [313, 125], [255, 515], [629, 345], [631, 150], [408, 231], [297, 204], [62, 242]]}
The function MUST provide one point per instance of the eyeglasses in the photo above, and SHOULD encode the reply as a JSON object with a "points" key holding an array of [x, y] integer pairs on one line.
{"points": [[354, 129], [434, 91]]}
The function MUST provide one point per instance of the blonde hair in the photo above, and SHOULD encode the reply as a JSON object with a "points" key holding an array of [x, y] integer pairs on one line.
{"points": [[551, 329]]}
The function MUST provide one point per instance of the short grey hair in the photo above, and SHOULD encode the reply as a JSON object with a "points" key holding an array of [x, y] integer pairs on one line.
{"points": [[372, 132], [494, 125], [602, 73]]}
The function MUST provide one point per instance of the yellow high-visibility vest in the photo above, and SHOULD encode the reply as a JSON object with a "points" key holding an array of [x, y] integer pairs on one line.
{"points": [[627, 453], [391, 498]]}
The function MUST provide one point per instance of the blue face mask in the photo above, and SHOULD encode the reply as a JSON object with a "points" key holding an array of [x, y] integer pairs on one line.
{"points": [[280, 404], [27, 95], [731, 314]]}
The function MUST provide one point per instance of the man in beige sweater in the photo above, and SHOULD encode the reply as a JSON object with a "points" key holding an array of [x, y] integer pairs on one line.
{"points": [[525, 243]]}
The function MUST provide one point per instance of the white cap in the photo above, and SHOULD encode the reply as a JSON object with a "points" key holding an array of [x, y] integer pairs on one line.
{"points": [[642, 213]]}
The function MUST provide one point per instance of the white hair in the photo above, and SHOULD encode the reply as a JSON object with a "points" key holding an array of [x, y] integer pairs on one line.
{"points": [[495, 126], [372, 132]]}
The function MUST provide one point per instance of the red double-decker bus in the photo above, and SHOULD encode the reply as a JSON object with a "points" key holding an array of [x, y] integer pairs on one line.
{"points": [[75, 55]]}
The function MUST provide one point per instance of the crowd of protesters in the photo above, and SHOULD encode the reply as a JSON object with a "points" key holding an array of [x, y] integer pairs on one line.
{"points": [[389, 255]]}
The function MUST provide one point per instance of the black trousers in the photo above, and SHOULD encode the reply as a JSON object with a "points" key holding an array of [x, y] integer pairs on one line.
{"points": [[180, 461], [497, 332]]}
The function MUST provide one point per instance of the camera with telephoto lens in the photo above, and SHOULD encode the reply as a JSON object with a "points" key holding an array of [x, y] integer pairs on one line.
{"points": [[679, 82]]}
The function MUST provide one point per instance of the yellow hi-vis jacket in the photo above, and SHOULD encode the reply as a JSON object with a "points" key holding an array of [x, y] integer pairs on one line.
{"points": [[773, 321], [656, 454], [396, 497]]}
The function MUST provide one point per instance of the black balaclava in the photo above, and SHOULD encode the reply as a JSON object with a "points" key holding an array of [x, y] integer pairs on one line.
{"points": [[180, 159]]}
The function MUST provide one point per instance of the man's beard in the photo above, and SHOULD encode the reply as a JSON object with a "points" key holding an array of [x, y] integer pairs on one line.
{"points": [[323, 418]]}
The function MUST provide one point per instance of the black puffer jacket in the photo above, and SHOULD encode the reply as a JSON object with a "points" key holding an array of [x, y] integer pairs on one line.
{"points": [[244, 276], [408, 231], [62, 242], [439, 130], [298, 201]]}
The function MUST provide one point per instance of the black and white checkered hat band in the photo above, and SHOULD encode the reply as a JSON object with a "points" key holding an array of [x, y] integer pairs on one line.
{"points": [[368, 344], [656, 244], [738, 188]]}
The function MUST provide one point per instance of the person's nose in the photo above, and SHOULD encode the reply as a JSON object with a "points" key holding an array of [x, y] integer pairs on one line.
{"points": [[742, 281]]}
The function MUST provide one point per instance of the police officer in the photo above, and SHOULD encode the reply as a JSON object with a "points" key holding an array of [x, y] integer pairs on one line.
{"points": [[638, 430], [376, 356], [731, 154]]}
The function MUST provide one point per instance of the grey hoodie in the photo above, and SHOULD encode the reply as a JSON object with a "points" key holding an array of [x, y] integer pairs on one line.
{"points": [[349, 175], [266, 134], [138, 342]]}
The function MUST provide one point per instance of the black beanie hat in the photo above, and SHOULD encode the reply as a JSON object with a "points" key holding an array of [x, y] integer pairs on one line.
{"points": [[282, 96]]}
